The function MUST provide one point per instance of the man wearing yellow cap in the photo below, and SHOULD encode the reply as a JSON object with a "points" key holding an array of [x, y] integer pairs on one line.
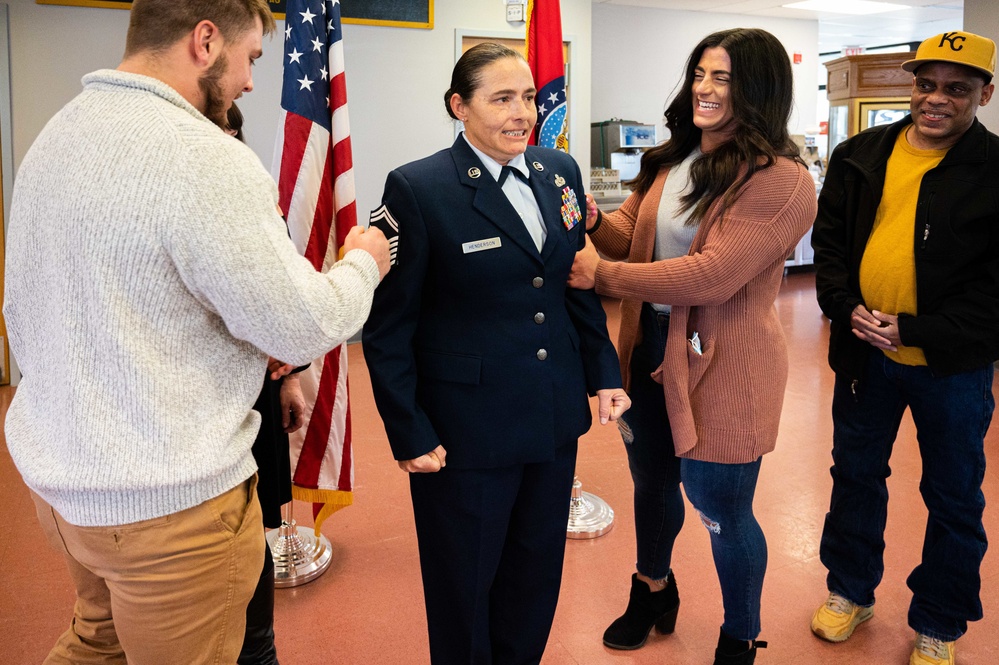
{"points": [[907, 269]]}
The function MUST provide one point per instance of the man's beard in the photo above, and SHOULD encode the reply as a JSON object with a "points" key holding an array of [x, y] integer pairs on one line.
{"points": [[211, 90]]}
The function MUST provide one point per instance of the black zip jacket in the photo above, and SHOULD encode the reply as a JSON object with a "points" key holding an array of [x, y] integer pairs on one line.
{"points": [[956, 242]]}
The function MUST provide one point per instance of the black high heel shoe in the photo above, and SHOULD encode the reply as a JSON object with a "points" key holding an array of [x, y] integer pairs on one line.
{"points": [[645, 610], [731, 651]]}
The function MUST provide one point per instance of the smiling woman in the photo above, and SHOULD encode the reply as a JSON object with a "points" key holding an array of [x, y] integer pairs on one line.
{"points": [[500, 114], [481, 361], [715, 211], [712, 104]]}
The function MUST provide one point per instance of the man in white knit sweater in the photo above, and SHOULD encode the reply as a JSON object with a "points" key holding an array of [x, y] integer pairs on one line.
{"points": [[149, 278]]}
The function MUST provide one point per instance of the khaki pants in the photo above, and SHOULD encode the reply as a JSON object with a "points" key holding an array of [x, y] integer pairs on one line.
{"points": [[168, 590]]}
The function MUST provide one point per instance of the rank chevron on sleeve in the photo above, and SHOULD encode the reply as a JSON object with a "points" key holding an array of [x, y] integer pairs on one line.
{"points": [[382, 219]]}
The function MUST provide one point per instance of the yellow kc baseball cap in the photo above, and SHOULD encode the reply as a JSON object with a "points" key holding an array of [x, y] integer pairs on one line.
{"points": [[962, 48]]}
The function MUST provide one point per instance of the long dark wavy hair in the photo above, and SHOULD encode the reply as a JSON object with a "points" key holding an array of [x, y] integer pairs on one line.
{"points": [[761, 92]]}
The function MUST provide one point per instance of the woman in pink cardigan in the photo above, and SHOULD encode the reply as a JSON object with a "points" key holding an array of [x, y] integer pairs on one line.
{"points": [[700, 248]]}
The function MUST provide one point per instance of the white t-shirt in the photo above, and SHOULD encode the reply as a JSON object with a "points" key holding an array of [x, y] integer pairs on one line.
{"points": [[673, 234]]}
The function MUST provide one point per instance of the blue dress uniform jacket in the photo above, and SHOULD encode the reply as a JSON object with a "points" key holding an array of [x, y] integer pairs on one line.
{"points": [[474, 340]]}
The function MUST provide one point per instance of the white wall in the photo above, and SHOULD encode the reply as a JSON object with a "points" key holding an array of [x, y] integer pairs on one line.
{"points": [[982, 18], [51, 49], [396, 78], [639, 54]]}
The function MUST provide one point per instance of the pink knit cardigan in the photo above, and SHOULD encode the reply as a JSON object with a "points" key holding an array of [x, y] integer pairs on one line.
{"points": [[724, 405]]}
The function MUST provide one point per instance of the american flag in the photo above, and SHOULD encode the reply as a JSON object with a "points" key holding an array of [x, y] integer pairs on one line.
{"points": [[314, 170]]}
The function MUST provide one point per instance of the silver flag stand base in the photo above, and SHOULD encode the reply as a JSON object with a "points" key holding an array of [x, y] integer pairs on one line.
{"points": [[589, 515], [299, 556]]}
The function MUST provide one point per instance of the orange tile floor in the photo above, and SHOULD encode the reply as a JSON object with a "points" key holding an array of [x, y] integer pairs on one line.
{"points": [[368, 607]]}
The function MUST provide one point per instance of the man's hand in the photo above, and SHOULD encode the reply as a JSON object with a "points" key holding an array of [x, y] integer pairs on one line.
{"points": [[432, 462], [372, 241], [584, 268], [276, 369], [878, 329], [292, 404], [611, 403]]}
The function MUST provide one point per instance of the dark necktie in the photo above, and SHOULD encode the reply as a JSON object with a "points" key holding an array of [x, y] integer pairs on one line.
{"points": [[526, 208], [507, 170]]}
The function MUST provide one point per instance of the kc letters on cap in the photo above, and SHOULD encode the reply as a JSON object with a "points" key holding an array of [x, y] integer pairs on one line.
{"points": [[962, 48]]}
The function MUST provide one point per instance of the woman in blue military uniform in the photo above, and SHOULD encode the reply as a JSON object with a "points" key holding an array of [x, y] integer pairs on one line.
{"points": [[481, 360]]}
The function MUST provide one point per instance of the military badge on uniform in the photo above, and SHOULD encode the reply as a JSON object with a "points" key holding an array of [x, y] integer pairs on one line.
{"points": [[538, 166], [559, 180], [571, 214], [474, 172], [382, 219]]}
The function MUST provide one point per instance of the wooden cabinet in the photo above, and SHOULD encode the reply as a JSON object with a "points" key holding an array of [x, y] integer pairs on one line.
{"points": [[864, 91]]}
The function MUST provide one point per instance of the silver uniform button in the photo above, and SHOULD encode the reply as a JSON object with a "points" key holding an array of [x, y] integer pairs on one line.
{"points": [[542, 354], [539, 317], [538, 282]]}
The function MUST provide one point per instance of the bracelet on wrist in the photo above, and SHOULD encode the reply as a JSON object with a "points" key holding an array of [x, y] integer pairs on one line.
{"points": [[596, 225]]}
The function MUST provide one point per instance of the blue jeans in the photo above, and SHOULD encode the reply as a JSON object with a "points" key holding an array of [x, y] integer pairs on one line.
{"points": [[721, 493], [951, 414]]}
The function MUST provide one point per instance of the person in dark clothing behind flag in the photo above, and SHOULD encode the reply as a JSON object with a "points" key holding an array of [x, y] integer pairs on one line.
{"points": [[281, 406], [479, 353]]}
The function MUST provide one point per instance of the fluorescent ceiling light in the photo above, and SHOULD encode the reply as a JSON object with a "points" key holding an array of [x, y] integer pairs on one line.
{"points": [[857, 7]]}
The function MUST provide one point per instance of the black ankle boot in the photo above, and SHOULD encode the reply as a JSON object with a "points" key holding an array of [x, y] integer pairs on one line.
{"points": [[731, 651], [645, 609]]}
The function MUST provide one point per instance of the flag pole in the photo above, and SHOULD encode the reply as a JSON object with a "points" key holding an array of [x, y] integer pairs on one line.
{"points": [[313, 167], [299, 555], [589, 515]]}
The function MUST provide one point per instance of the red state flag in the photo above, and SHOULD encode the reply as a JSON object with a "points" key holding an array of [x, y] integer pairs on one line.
{"points": [[544, 55]]}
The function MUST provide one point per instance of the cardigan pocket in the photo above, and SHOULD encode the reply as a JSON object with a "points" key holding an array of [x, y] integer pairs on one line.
{"points": [[697, 363]]}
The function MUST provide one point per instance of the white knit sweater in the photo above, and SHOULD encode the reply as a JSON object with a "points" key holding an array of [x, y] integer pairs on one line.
{"points": [[148, 278]]}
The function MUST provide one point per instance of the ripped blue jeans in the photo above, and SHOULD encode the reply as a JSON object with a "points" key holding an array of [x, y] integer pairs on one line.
{"points": [[721, 493]]}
